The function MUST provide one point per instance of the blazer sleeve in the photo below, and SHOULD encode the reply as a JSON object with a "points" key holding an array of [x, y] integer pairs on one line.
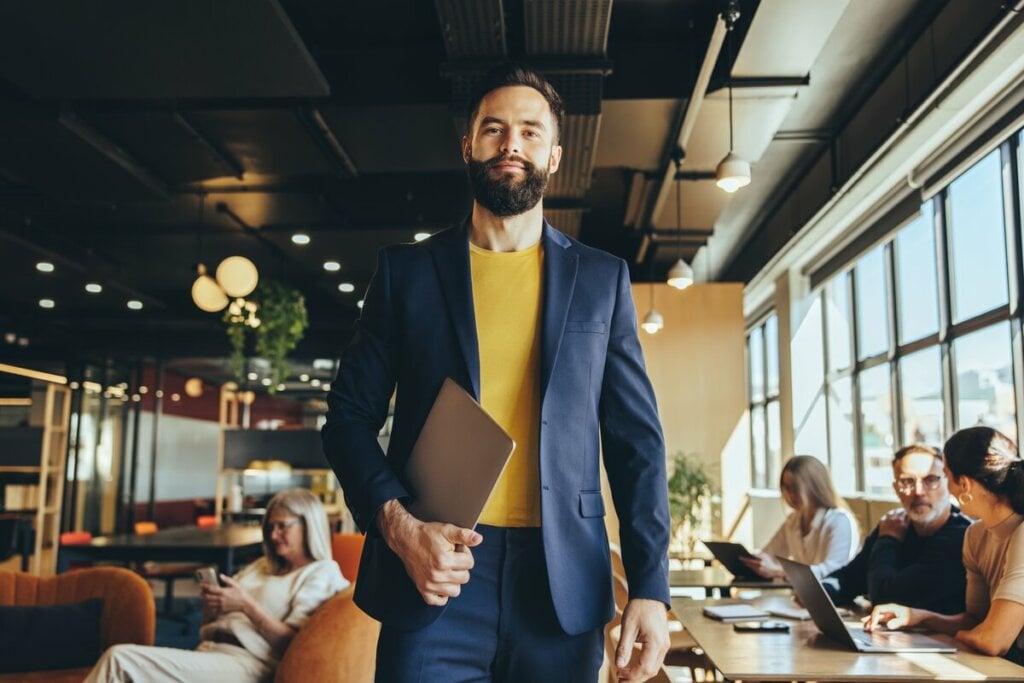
{"points": [[357, 404], [634, 453]]}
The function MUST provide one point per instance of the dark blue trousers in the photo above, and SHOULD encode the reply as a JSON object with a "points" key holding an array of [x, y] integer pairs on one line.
{"points": [[501, 628]]}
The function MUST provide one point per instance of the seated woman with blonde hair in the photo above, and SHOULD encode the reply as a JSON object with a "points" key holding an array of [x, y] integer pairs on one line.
{"points": [[986, 475], [250, 619], [819, 532]]}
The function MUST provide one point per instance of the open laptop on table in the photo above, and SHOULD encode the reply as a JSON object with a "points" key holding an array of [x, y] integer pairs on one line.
{"points": [[729, 555], [828, 621]]}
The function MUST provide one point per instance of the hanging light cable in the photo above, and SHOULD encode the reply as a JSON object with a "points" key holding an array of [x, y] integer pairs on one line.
{"points": [[733, 172], [680, 275], [653, 321]]}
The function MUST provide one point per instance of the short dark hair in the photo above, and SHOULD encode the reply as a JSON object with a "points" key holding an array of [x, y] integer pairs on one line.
{"points": [[513, 74], [916, 448]]}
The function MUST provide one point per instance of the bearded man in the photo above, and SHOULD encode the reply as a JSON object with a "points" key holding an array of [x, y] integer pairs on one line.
{"points": [[542, 331], [915, 555]]}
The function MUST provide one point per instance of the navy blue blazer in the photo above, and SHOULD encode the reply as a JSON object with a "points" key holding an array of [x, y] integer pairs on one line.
{"points": [[418, 327]]}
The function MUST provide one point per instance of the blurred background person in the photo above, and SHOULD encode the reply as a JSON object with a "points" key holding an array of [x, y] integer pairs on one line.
{"points": [[249, 619], [820, 531]]}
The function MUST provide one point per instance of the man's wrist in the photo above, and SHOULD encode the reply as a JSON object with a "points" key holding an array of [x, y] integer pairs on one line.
{"points": [[391, 517]]}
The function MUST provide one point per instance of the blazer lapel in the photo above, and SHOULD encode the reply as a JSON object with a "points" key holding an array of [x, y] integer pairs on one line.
{"points": [[560, 265], [451, 257]]}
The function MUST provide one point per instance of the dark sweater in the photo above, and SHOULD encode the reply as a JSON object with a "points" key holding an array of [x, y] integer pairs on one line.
{"points": [[918, 572]]}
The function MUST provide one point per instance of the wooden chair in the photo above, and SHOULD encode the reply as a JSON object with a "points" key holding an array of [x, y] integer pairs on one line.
{"points": [[683, 650], [167, 572], [72, 538]]}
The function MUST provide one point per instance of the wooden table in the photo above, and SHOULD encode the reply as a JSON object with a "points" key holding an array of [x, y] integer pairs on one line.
{"points": [[804, 654], [716, 577], [218, 545]]}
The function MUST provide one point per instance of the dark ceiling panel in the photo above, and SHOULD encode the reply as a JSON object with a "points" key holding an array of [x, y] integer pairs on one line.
{"points": [[417, 138], [266, 140], [48, 155], [165, 142], [157, 49]]}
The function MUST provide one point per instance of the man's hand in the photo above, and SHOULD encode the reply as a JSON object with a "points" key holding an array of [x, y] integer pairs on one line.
{"points": [[894, 524], [765, 565], [644, 622], [436, 556]]}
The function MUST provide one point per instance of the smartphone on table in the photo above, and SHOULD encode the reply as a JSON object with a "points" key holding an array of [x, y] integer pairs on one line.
{"points": [[761, 626]]}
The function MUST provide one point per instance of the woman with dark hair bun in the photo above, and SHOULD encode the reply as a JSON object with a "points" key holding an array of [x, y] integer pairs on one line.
{"points": [[986, 475]]}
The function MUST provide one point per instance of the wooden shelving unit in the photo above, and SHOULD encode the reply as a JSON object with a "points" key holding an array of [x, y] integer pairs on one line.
{"points": [[45, 495]]}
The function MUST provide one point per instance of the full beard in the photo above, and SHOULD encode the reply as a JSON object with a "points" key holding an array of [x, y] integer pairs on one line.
{"points": [[505, 196]]}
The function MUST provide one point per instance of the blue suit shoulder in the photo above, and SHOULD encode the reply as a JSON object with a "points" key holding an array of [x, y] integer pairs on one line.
{"points": [[592, 256]]}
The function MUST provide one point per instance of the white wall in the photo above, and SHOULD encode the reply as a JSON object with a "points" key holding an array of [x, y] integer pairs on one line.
{"points": [[186, 458]]}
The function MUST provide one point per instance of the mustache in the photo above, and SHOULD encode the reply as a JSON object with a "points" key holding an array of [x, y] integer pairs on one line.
{"points": [[502, 158]]}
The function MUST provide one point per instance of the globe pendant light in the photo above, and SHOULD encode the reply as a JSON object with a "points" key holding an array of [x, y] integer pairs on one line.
{"points": [[237, 276], [206, 293]]}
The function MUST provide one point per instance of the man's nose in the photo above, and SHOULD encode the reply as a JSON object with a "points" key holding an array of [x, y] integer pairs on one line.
{"points": [[512, 143]]}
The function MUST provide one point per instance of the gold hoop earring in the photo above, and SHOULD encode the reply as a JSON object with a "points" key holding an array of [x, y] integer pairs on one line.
{"points": [[965, 499]]}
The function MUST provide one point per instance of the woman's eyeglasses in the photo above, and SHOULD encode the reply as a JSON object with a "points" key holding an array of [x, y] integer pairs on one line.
{"points": [[909, 484], [271, 527]]}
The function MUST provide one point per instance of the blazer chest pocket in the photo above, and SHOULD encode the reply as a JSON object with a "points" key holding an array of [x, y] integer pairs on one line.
{"points": [[591, 504], [593, 327]]}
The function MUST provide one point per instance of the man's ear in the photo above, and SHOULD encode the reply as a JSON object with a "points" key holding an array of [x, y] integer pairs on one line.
{"points": [[467, 149], [555, 159]]}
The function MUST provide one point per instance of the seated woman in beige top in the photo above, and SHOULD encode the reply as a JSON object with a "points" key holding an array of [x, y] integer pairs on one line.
{"points": [[819, 532], [986, 474], [250, 619]]}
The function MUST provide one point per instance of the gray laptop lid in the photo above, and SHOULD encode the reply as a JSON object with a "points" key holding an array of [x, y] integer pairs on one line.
{"points": [[457, 459], [811, 593], [823, 612]]}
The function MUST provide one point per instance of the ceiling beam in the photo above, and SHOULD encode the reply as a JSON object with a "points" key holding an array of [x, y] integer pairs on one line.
{"points": [[112, 151], [314, 122], [221, 156]]}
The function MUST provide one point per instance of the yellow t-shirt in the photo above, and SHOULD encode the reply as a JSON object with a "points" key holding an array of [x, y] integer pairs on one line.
{"points": [[507, 301]]}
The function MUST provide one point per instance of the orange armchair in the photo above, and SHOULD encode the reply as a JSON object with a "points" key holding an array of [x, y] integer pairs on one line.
{"points": [[128, 608], [346, 550], [337, 645]]}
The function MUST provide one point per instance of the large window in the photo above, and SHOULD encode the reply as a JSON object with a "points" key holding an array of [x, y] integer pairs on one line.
{"points": [[765, 423], [917, 333]]}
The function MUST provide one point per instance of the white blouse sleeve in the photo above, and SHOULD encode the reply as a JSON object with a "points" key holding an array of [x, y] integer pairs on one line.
{"points": [[316, 588], [836, 543]]}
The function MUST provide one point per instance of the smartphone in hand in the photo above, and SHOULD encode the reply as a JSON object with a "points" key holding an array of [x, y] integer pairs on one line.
{"points": [[207, 575]]}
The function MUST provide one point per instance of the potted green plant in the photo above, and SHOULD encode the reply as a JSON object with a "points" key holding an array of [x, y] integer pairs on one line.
{"points": [[277, 316], [690, 492]]}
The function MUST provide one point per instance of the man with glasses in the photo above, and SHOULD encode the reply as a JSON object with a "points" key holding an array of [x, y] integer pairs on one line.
{"points": [[914, 556]]}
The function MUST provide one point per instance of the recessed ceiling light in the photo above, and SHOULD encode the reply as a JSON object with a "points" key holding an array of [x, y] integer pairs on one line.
{"points": [[265, 381], [420, 236], [300, 238], [326, 386], [93, 287], [346, 287], [280, 387], [314, 382], [252, 376], [143, 389], [44, 267], [135, 304], [332, 266], [303, 377], [175, 397], [359, 303], [46, 303]]}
